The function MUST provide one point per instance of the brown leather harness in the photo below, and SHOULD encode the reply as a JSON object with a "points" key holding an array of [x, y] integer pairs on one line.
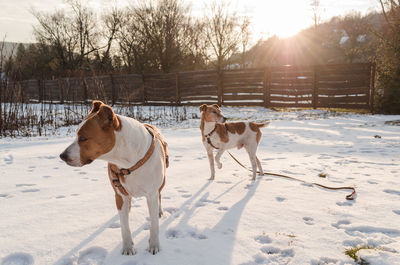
{"points": [[208, 136], [117, 174]]}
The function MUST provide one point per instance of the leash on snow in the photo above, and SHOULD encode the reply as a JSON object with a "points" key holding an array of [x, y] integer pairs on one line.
{"points": [[348, 197]]}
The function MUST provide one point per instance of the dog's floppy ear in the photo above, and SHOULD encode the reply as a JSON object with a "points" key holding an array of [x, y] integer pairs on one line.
{"points": [[203, 107], [95, 106], [215, 105], [107, 117]]}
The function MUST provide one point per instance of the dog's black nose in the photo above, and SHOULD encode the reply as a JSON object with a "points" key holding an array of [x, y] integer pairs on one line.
{"points": [[63, 156]]}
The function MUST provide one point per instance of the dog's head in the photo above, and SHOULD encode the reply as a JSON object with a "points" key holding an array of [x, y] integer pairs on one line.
{"points": [[211, 113], [95, 136]]}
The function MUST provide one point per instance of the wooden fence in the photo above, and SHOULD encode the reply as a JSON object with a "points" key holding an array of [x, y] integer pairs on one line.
{"points": [[318, 86]]}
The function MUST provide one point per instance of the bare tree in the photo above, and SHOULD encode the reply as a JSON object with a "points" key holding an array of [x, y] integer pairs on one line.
{"points": [[73, 35], [158, 36], [111, 24], [315, 4], [222, 31], [245, 33]]}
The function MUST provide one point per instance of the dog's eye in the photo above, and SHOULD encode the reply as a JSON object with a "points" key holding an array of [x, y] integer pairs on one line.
{"points": [[82, 139]]}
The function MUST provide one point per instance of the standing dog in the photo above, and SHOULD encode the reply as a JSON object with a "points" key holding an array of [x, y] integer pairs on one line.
{"points": [[216, 134], [137, 157]]}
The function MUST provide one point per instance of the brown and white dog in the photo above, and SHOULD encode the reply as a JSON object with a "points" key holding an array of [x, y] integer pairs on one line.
{"points": [[123, 141], [216, 134]]}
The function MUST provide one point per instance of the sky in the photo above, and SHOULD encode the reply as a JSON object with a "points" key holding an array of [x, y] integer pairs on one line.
{"points": [[269, 17]]}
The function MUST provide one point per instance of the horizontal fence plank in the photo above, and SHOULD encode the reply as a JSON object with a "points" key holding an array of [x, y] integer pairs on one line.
{"points": [[343, 91], [344, 105], [244, 103], [243, 97], [244, 90], [344, 99]]}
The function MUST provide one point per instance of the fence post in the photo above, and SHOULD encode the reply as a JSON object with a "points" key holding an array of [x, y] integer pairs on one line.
{"points": [[61, 88], [372, 87], [267, 92], [85, 90], [220, 94], [40, 90], [315, 87], [143, 90], [177, 87], [113, 92]]}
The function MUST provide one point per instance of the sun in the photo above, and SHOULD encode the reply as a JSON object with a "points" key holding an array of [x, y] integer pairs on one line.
{"points": [[283, 18]]}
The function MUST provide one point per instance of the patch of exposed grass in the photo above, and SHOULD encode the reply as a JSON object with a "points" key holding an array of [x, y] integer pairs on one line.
{"points": [[352, 253]]}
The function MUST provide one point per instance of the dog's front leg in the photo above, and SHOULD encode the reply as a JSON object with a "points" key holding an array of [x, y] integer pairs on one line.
{"points": [[153, 204], [210, 155], [123, 211], [218, 157]]}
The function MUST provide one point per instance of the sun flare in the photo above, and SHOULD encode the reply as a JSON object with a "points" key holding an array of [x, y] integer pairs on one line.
{"points": [[283, 18]]}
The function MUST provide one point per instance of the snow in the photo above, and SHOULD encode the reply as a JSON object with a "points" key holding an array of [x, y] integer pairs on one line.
{"points": [[55, 214]]}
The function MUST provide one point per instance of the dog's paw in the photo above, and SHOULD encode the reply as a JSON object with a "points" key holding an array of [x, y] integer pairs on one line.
{"points": [[128, 251], [160, 213], [261, 173], [219, 165], [212, 178], [154, 248]]}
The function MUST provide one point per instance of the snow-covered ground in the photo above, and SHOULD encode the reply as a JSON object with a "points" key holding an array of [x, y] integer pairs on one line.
{"points": [[55, 214]]}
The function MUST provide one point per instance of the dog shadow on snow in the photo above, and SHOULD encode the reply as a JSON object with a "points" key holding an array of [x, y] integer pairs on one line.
{"points": [[220, 237], [224, 230]]}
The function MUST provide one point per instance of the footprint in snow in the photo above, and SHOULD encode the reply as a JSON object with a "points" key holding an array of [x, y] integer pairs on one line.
{"points": [[92, 256], [209, 201], [373, 182], [9, 159], [396, 211], [263, 239], [31, 190], [324, 260], [395, 192], [270, 250], [171, 210], [173, 234], [24, 185], [200, 204], [82, 173], [308, 220], [60, 197], [46, 177], [4, 195], [223, 182], [195, 235], [186, 196], [339, 223], [17, 259], [280, 199], [223, 208], [345, 203]]}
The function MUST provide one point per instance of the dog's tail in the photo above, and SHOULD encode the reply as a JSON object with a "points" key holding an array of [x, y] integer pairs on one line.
{"points": [[263, 124]]}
